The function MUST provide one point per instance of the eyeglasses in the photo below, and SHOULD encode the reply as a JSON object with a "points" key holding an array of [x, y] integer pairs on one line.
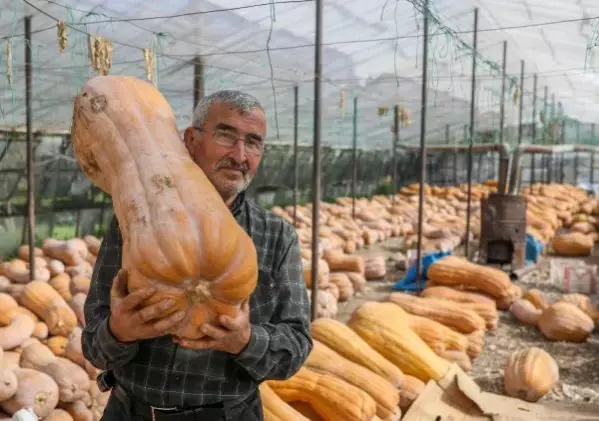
{"points": [[229, 139]]}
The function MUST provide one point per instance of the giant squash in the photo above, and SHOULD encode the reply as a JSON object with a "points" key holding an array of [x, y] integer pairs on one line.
{"points": [[331, 397], [385, 327], [178, 234], [530, 373]]}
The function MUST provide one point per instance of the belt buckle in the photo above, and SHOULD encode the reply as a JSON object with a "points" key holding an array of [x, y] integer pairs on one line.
{"points": [[153, 410]]}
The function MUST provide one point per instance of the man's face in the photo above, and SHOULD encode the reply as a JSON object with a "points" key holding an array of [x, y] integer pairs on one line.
{"points": [[229, 168]]}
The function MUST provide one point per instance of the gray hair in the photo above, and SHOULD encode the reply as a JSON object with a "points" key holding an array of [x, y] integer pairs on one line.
{"points": [[243, 102]]}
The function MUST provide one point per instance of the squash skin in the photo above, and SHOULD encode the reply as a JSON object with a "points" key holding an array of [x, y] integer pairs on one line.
{"points": [[188, 246], [530, 373]]}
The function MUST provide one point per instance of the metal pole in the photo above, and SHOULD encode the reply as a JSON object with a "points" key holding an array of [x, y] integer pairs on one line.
{"points": [[422, 145], [354, 158], [198, 80], [30, 157], [545, 120], [295, 151], [471, 139], [447, 140], [394, 152], [576, 154], [534, 128], [593, 155], [316, 164], [521, 103], [502, 103]]}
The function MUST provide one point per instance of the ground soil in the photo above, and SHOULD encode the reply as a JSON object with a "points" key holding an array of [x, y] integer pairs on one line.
{"points": [[579, 362]]}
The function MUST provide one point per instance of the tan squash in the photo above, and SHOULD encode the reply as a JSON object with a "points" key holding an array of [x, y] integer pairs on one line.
{"points": [[564, 321], [451, 314], [275, 408], [529, 374], [411, 389], [454, 271], [36, 390], [324, 359], [331, 397], [59, 415], [525, 312], [72, 380], [340, 338], [188, 246], [339, 261], [385, 327], [19, 329], [584, 303], [536, 297], [8, 383], [49, 306]]}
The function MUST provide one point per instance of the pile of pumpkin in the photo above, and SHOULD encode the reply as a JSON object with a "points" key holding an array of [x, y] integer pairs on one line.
{"points": [[388, 351], [572, 317], [42, 366], [562, 216], [370, 369]]}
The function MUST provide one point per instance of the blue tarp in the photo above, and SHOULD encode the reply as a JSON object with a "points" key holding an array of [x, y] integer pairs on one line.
{"points": [[408, 284], [533, 249]]}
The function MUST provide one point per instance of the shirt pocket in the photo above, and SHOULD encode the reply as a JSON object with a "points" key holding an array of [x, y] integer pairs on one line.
{"points": [[264, 300]]}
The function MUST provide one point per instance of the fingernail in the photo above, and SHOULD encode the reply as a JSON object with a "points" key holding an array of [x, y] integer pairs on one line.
{"points": [[169, 303]]}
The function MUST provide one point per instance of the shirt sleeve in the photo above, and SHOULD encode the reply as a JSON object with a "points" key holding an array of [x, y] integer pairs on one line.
{"points": [[278, 349], [99, 345]]}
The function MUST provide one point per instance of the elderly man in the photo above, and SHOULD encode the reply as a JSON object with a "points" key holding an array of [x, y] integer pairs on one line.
{"points": [[156, 377]]}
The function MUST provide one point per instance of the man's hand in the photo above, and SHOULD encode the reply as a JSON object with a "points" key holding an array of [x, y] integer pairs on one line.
{"points": [[232, 336], [129, 321]]}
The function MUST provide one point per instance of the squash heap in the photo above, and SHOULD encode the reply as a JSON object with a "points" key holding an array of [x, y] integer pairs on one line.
{"points": [[178, 234]]}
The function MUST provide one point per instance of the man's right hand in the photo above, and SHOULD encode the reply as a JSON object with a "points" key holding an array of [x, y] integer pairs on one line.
{"points": [[129, 321]]}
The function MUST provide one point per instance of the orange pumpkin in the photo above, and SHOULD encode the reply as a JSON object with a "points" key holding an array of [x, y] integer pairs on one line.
{"points": [[178, 234]]}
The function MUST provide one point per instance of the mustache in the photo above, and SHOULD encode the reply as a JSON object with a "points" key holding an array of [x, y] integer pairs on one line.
{"points": [[229, 164]]}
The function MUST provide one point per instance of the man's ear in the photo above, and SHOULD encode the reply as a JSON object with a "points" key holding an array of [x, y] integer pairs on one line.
{"points": [[188, 139]]}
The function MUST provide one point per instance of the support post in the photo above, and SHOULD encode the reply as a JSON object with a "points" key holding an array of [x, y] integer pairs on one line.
{"points": [[316, 160], [422, 177], [198, 80], [471, 135], [534, 128], [521, 103], [295, 151], [394, 151], [30, 152], [354, 159]]}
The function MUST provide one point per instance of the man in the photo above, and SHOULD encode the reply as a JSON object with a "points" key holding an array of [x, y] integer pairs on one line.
{"points": [[153, 375]]}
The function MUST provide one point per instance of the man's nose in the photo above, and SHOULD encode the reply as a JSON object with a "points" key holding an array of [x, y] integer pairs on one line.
{"points": [[238, 152]]}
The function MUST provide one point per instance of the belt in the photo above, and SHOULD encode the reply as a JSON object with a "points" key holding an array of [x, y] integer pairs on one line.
{"points": [[211, 412]]}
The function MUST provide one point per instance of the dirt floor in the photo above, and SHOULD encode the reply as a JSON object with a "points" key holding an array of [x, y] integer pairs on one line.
{"points": [[578, 362]]}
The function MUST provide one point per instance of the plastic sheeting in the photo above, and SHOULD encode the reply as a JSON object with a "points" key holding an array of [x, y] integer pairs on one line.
{"points": [[372, 50]]}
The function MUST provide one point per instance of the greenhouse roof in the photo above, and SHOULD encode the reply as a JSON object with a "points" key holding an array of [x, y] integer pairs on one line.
{"points": [[373, 50]]}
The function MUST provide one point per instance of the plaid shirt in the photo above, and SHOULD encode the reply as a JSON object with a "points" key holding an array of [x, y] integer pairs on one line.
{"points": [[163, 374]]}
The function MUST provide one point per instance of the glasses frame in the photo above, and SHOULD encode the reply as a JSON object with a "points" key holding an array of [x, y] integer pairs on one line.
{"points": [[215, 136]]}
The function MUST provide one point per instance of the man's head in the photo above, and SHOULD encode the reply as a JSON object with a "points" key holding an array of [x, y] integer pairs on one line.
{"points": [[226, 140]]}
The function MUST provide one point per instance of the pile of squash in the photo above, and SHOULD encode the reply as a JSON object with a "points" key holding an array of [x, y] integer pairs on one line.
{"points": [[571, 318], [42, 366], [563, 216]]}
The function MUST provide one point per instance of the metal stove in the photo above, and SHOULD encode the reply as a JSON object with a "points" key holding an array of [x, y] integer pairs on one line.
{"points": [[503, 231]]}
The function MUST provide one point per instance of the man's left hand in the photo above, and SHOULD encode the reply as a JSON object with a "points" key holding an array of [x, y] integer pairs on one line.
{"points": [[231, 336]]}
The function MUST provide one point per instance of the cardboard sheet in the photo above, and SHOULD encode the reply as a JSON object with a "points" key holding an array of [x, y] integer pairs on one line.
{"points": [[458, 398]]}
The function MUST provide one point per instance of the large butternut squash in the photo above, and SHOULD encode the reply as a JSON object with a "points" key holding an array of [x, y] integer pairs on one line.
{"points": [[178, 234], [385, 327]]}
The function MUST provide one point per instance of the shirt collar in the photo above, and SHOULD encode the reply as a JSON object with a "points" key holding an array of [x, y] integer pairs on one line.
{"points": [[238, 203]]}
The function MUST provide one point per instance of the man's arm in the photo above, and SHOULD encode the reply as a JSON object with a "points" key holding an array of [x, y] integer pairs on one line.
{"points": [[99, 345], [277, 350]]}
